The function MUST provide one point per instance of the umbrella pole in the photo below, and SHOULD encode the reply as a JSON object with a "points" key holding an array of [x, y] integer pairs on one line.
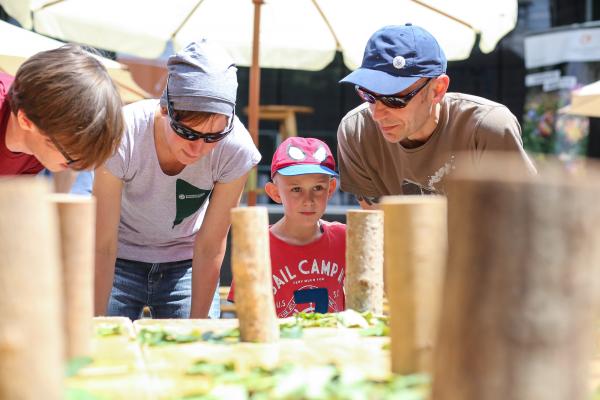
{"points": [[254, 97]]}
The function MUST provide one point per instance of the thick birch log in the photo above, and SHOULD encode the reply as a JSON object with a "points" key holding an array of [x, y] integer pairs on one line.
{"points": [[522, 274], [31, 335], [363, 285], [415, 251], [77, 221], [251, 267]]}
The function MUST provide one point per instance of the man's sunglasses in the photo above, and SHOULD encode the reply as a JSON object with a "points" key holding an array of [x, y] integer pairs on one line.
{"points": [[389, 101], [62, 151], [190, 134]]}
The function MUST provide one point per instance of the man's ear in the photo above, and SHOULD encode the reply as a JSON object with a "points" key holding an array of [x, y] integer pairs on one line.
{"points": [[273, 192], [24, 121], [440, 87], [332, 186]]}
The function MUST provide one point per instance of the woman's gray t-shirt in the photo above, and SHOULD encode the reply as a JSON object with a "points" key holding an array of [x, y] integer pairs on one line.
{"points": [[160, 214]]}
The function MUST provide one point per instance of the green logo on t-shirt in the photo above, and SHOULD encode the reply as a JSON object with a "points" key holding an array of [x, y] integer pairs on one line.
{"points": [[189, 200]]}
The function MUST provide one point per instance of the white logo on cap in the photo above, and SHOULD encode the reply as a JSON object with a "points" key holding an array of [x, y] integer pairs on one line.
{"points": [[296, 154], [399, 62], [320, 154]]}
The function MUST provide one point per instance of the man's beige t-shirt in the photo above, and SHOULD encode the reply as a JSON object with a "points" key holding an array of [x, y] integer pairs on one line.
{"points": [[370, 166]]}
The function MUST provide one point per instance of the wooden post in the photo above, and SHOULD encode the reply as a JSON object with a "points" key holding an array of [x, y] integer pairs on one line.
{"points": [[415, 251], [363, 285], [31, 336], [254, 95], [251, 267], [522, 275], [77, 223]]}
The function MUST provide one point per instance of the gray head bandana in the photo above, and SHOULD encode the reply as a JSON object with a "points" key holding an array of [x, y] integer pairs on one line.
{"points": [[202, 77]]}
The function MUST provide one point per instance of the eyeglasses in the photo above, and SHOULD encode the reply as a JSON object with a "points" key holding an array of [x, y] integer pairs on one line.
{"points": [[192, 135], [62, 150], [389, 101]]}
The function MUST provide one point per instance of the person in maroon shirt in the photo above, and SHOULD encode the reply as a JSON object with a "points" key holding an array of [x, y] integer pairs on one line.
{"points": [[61, 110]]}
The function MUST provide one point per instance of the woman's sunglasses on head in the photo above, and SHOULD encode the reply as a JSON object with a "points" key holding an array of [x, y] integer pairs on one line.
{"points": [[389, 101], [192, 135]]}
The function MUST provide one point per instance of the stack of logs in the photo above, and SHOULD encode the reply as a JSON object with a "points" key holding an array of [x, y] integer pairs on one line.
{"points": [[46, 281], [492, 291]]}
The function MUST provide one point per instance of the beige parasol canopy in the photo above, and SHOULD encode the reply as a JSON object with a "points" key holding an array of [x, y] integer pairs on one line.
{"points": [[585, 101], [18, 44], [294, 34]]}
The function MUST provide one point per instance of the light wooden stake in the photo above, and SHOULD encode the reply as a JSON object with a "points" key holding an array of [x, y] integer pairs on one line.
{"points": [[77, 221], [251, 267], [415, 251], [31, 335], [521, 285], [363, 285]]}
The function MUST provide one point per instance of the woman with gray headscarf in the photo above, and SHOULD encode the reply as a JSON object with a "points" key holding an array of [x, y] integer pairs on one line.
{"points": [[164, 197]]}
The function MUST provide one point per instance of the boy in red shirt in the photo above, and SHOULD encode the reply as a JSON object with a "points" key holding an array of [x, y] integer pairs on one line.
{"points": [[307, 253]]}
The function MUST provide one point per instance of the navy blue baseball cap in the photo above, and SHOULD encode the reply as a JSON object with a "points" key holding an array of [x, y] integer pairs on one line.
{"points": [[396, 56]]}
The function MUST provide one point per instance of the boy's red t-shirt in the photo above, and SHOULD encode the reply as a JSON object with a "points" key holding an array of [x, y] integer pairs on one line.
{"points": [[310, 277], [12, 163]]}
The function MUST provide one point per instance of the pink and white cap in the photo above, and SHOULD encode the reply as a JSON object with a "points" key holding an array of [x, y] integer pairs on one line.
{"points": [[301, 155]]}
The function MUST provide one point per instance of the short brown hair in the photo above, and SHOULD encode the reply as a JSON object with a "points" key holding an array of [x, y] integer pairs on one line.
{"points": [[68, 94], [191, 117]]}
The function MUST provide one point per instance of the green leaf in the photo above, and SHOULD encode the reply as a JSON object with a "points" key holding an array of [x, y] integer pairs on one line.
{"points": [[316, 320], [204, 367], [158, 336], [79, 394], [411, 380], [294, 382], [380, 329], [229, 336], [352, 319], [108, 329], [370, 324], [74, 365], [290, 331]]}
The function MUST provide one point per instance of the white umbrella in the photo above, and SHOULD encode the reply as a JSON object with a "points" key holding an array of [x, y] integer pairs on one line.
{"points": [[294, 34], [585, 101], [17, 44]]}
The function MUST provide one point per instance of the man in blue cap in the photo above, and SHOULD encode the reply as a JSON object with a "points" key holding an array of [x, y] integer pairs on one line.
{"points": [[405, 137]]}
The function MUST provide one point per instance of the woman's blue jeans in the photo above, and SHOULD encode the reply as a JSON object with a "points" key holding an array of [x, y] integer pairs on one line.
{"points": [[166, 288]]}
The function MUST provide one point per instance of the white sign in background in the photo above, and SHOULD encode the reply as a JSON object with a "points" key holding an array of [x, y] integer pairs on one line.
{"points": [[539, 78], [577, 44], [550, 80]]}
